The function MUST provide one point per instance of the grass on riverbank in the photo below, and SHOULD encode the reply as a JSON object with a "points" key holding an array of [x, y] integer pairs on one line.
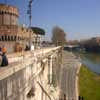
{"points": [[89, 84]]}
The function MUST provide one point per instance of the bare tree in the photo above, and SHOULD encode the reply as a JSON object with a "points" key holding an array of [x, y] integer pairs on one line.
{"points": [[58, 36]]}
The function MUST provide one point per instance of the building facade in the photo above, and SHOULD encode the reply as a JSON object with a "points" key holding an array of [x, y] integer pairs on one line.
{"points": [[11, 34]]}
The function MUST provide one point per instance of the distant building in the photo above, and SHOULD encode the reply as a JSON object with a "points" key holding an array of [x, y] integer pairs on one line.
{"points": [[97, 39]]}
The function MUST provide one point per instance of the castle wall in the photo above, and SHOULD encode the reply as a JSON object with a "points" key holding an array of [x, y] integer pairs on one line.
{"points": [[8, 15]]}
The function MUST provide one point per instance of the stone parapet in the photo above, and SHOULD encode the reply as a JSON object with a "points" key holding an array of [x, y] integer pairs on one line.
{"points": [[25, 69], [18, 60]]}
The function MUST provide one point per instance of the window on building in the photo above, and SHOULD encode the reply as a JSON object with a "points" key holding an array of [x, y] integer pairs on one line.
{"points": [[2, 38], [8, 38], [5, 38], [14, 38]]}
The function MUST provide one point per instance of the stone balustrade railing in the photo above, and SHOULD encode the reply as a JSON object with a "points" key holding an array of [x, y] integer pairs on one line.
{"points": [[15, 57], [23, 70], [16, 60]]}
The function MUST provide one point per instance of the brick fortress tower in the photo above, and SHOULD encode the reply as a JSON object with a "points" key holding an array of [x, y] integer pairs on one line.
{"points": [[10, 32]]}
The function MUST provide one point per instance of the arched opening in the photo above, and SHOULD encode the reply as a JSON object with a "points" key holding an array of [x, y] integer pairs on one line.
{"points": [[5, 37], [8, 38], [14, 38], [2, 38]]}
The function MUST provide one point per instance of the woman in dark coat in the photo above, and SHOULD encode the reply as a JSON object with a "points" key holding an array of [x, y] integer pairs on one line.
{"points": [[4, 60]]}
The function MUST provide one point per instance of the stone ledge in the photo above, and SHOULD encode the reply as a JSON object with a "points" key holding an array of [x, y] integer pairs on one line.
{"points": [[14, 57], [22, 61]]}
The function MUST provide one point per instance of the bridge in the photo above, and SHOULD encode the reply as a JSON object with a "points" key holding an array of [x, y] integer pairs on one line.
{"points": [[72, 47], [44, 74], [29, 75]]}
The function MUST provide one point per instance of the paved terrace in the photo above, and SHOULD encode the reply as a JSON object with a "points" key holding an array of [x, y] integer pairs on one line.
{"points": [[68, 77], [27, 70], [17, 59], [24, 67]]}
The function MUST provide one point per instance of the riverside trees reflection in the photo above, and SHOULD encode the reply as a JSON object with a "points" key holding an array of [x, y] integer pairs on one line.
{"points": [[91, 60]]}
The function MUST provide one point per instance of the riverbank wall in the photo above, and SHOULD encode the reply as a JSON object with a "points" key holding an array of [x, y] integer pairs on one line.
{"points": [[69, 76]]}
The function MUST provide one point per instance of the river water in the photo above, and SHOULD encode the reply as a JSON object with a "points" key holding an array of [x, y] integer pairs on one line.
{"points": [[91, 60]]}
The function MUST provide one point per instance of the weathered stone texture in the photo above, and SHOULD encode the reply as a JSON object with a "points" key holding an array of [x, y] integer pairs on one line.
{"points": [[17, 79]]}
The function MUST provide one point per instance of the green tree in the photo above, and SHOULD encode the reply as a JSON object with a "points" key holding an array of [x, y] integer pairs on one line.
{"points": [[58, 36], [38, 30]]}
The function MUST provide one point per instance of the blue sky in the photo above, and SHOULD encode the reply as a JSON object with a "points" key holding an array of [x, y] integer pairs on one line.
{"points": [[79, 18]]}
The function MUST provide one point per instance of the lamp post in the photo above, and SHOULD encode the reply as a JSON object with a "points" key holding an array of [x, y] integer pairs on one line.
{"points": [[29, 12]]}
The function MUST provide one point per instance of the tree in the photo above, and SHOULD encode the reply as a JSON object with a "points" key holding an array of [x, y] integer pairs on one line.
{"points": [[38, 30], [58, 36]]}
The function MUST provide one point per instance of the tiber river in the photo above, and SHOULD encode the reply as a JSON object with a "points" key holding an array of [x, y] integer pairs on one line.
{"points": [[91, 60]]}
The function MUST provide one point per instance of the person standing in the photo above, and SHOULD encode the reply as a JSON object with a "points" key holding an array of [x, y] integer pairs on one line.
{"points": [[4, 57]]}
